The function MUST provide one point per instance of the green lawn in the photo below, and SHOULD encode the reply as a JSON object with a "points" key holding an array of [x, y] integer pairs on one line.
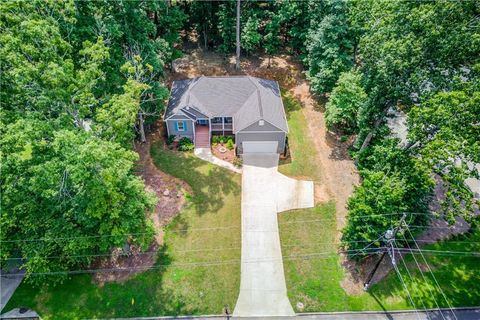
{"points": [[181, 283], [315, 280]]}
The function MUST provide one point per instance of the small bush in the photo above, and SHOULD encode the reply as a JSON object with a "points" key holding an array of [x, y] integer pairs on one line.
{"points": [[237, 162], [185, 144], [170, 139], [229, 145], [222, 139], [217, 139]]}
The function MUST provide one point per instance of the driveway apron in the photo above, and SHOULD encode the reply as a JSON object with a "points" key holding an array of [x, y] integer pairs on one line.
{"points": [[265, 192]]}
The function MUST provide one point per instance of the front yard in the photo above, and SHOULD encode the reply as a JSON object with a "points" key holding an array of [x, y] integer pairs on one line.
{"points": [[197, 270], [313, 269]]}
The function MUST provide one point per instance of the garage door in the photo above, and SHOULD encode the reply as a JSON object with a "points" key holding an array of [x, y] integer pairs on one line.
{"points": [[260, 146]]}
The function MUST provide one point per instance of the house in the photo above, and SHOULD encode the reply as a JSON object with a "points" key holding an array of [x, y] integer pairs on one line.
{"points": [[248, 108]]}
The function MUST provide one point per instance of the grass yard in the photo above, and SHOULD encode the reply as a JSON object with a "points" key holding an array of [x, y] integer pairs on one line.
{"points": [[198, 269], [315, 279]]}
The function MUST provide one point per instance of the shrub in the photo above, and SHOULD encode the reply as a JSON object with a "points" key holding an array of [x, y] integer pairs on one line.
{"points": [[185, 144], [217, 139], [237, 162], [229, 145], [170, 139]]}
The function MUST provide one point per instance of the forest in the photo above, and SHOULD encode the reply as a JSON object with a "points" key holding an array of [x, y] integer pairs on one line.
{"points": [[83, 81]]}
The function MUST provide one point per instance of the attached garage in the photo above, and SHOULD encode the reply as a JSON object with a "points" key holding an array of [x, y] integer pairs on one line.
{"points": [[260, 146]]}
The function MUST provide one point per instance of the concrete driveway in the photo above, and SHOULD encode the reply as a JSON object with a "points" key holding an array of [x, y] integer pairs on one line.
{"points": [[265, 192]]}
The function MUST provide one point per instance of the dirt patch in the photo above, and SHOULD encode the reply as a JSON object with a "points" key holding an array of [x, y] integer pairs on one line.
{"points": [[130, 263], [170, 193]]}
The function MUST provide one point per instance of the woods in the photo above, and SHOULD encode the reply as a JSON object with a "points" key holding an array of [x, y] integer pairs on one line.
{"points": [[82, 80], [79, 82]]}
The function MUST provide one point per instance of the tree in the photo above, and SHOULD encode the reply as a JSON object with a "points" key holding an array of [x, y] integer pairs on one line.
{"points": [[226, 26], [347, 98], [272, 37], [393, 183], [329, 47], [250, 36], [445, 131], [409, 51], [79, 182], [80, 187]]}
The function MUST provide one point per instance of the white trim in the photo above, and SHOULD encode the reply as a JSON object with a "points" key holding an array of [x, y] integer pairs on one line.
{"points": [[280, 130], [183, 126], [178, 114], [242, 132]]}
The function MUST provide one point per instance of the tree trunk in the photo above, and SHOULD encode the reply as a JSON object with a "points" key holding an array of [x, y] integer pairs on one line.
{"points": [[237, 65], [269, 56], [369, 137], [141, 127], [205, 40]]}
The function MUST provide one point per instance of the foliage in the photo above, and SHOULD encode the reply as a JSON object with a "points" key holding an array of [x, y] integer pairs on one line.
{"points": [[271, 40], [82, 189], [393, 182], [116, 119], [77, 79], [222, 139], [170, 139], [226, 26], [185, 144], [237, 162], [329, 47], [250, 36], [347, 98], [230, 145], [446, 132]]}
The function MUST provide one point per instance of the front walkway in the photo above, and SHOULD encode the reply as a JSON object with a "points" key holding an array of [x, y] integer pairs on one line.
{"points": [[265, 192], [206, 154]]}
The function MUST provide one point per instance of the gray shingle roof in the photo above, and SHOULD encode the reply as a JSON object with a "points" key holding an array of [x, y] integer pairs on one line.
{"points": [[246, 99]]}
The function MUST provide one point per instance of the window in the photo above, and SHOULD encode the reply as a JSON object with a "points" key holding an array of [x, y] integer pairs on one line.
{"points": [[227, 120], [217, 120], [180, 125]]}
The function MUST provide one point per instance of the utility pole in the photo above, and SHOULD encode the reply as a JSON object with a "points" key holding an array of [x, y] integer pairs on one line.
{"points": [[237, 64], [389, 238]]}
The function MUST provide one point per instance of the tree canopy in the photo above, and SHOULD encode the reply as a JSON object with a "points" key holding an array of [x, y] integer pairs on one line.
{"points": [[78, 79]]}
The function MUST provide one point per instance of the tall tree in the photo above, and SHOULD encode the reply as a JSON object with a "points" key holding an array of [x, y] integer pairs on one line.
{"points": [[329, 46], [348, 97]]}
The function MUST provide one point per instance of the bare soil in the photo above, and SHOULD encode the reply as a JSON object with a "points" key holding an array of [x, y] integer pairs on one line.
{"points": [[170, 193]]}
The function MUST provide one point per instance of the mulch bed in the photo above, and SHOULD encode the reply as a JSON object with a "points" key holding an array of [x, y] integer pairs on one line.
{"points": [[228, 155]]}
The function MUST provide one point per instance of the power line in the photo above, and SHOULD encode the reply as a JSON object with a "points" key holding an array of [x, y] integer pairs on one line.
{"points": [[197, 263], [424, 278], [411, 279], [431, 272]]}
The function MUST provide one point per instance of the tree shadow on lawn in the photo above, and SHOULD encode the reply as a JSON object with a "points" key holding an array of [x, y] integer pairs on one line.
{"points": [[209, 183], [290, 103], [80, 296], [457, 277]]}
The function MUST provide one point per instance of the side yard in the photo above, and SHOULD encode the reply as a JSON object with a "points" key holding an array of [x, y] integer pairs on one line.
{"points": [[197, 270], [313, 268]]}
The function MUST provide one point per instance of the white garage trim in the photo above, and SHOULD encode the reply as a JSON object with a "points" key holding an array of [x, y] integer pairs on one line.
{"points": [[260, 146]]}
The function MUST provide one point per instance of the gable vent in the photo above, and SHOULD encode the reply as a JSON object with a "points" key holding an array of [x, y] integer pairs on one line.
{"points": [[261, 122]]}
